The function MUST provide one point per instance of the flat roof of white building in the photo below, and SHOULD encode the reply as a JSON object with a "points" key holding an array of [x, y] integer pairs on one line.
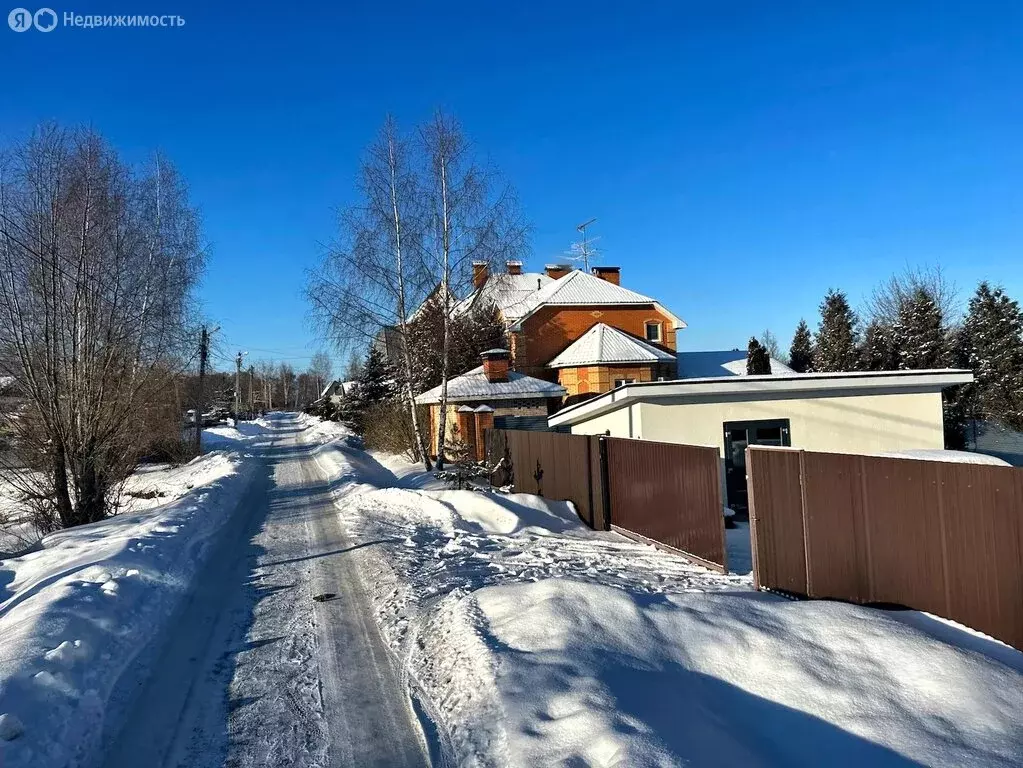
{"points": [[773, 387]]}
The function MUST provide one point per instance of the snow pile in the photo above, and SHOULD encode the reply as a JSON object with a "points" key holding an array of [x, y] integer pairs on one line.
{"points": [[236, 434], [591, 675], [319, 430], [76, 614], [529, 639]]}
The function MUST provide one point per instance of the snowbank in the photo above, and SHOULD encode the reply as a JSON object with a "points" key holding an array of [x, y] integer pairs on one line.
{"points": [[77, 614], [529, 639], [590, 675]]}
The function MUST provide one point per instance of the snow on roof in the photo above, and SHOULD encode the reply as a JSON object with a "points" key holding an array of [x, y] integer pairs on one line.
{"points": [[604, 344], [723, 362], [474, 385], [509, 293], [579, 288], [955, 457], [518, 296]]}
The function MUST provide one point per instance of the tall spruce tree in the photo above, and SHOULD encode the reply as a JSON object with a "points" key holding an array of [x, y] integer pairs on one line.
{"points": [[835, 344], [992, 341], [376, 382], [374, 385], [876, 352], [801, 351], [758, 362], [918, 335]]}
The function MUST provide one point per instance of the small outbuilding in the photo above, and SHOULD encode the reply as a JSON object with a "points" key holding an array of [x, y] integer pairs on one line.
{"points": [[481, 398], [861, 412]]}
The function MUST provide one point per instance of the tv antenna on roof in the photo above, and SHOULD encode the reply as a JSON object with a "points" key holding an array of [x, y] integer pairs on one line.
{"points": [[584, 251]]}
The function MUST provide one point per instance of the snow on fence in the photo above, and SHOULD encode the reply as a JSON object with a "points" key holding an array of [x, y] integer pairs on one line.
{"points": [[668, 493], [931, 535]]}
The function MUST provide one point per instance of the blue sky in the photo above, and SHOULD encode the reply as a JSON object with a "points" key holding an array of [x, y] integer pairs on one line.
{"points": [[741, 158]]}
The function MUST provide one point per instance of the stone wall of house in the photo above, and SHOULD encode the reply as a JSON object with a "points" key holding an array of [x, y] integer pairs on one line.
{"points": [[552, 329]]}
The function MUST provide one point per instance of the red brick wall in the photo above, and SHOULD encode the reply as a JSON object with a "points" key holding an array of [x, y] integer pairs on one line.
{"points": [[552, 329]]}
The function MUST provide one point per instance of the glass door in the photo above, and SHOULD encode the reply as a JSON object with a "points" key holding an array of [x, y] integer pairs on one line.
{"points": [[739, 435]]}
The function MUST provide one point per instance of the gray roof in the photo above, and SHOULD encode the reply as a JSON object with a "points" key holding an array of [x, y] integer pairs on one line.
{"points": [[474, 386], [579, 288], [509, 293], [722, 362], [518, 296], [604, 344]]}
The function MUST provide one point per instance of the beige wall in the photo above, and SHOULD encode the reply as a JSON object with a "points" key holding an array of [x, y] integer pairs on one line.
{"points": [[625, 422], [853, 424]]}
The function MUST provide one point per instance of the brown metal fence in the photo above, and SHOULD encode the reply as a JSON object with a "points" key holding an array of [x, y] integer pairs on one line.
{"points": [[665, 492], [553, 465], [936, 536], [669, 493]]}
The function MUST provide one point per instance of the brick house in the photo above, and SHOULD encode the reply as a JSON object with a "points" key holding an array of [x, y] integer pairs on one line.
{"points": [[571, 334], [549, 313]]}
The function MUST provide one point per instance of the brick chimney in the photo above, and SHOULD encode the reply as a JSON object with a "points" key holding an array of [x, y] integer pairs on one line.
{"points": [[514, 267], [611, 274], [480, 273], [495, 365], [554, 271]]}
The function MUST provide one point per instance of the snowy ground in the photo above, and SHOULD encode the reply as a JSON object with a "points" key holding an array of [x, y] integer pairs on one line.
{"points": [[531, 640], [79, 611], [490, 630]]}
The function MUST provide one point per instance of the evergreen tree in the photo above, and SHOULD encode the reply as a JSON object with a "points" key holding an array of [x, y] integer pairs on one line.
{"points": [[918, 336], [876, 352], [374, 385], [801, 351], [992, 345], [376, 382], [758, 363], [835, 345], [472, 333]]}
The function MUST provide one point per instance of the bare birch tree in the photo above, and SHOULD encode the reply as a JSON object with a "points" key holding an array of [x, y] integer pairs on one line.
{"points": [[287, 377], [97, 264], [373, 276], [471, 216], [320, 370]]}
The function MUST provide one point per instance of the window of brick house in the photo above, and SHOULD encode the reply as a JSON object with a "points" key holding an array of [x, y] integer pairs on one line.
{"points": [[653, 331], [623, 382]]}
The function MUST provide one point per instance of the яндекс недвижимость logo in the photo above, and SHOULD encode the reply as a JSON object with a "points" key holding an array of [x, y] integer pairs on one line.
{"points": [[22, 20], [45, 20]]}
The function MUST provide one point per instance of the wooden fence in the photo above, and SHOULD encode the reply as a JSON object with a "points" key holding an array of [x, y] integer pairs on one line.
{"points": [[936, 536], [665, 492]]}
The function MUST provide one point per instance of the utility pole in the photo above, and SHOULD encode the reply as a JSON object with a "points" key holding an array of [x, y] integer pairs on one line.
{"points": [[237, 386], [252, 403], [204, 351]]}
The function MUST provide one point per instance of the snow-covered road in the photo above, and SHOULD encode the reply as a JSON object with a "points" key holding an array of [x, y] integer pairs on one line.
{"points": [[257, 672]]}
